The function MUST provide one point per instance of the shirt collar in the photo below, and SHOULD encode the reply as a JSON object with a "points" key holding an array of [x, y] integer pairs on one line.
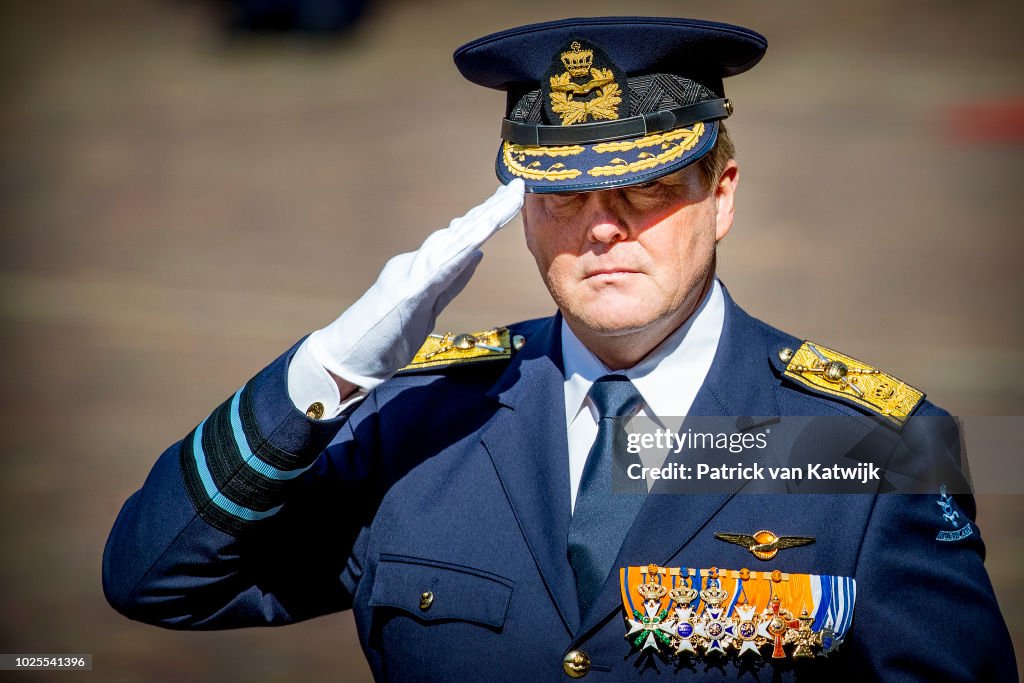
{"points": [[668, 378]]}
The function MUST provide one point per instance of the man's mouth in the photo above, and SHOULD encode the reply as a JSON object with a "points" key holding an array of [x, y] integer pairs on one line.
{"points": [[610, 273]]}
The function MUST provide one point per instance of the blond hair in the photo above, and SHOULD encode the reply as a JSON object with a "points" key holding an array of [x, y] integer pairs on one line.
{"points": [[713, 163]]}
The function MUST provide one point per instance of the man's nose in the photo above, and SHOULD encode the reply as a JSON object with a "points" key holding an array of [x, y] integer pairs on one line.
{"points": [[605, 219]]}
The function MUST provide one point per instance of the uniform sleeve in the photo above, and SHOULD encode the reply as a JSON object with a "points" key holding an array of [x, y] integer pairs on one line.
{"points": [[926, 610], [245, 522]]}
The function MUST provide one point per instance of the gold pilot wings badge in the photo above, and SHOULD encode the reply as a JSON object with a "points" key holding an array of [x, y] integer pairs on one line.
{"points": [[833, 373], [764, 545]]}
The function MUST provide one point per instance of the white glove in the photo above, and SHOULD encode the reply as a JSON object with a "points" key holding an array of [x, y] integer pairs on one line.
{"points": [[382, 331]]}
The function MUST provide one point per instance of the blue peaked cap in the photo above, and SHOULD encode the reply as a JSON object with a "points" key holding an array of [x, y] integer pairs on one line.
{"points": [[601, 102]]}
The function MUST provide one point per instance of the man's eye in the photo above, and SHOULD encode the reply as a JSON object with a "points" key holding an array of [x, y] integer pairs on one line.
{"points": [[652, 189], [562, 200], [646, 191]]}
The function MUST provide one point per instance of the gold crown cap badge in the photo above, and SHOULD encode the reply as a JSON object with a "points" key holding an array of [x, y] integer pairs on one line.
{"points": [[577, 61]]}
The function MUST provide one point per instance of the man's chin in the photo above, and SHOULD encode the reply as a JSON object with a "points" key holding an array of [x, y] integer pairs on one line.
{"points": [[614, 324]]}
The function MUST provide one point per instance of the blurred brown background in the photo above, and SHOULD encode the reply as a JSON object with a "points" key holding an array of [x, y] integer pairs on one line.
{"points": [[178, 208]]}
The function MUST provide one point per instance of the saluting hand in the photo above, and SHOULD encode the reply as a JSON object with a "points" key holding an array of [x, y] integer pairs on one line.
{"points": [[381, 332]]}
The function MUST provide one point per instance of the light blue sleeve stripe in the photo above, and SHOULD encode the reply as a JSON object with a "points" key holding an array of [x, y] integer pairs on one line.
{"points": [[250, 458], [215, 496]]}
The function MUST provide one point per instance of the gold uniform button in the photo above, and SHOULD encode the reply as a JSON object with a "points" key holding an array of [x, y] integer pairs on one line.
{"points": [[576, 664], [315, 411], [426, 600]]}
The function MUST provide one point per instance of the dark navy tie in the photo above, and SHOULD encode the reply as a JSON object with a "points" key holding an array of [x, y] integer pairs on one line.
{"points": [[602, 517]]}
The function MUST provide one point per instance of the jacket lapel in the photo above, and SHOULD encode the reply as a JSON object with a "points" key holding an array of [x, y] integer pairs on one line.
{"points": [[527, 443], [739, 384]]}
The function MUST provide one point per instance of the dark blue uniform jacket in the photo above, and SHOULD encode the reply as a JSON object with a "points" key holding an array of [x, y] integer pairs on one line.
{"points": [[456, 482]]}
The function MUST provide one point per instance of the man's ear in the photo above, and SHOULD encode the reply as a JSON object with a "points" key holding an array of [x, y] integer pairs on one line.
{"points": [[725, 196]]}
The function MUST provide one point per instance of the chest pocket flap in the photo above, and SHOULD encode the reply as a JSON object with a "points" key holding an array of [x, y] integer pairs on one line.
{"points": [[437, 591]]}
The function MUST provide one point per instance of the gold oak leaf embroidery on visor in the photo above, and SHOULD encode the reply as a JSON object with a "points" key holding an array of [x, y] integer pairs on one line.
{"points": [[687, 139], [673, 145], [514, 157]]}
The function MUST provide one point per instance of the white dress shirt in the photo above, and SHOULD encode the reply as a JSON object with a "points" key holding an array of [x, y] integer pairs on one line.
{"points": [[668, 379]]}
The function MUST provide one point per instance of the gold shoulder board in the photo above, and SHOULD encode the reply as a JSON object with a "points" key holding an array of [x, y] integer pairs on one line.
{"points": [[831, 372], [469, 347]]}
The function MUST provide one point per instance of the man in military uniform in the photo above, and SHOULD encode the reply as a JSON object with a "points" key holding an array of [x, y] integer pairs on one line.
{"points": [[456, 491]]}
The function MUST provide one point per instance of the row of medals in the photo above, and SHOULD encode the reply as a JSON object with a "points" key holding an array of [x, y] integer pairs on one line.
{"points": [[713, 632]]}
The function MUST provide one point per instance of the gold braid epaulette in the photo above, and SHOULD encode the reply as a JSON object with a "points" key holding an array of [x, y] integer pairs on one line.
{"points": [[830, 372], [441, 350]]}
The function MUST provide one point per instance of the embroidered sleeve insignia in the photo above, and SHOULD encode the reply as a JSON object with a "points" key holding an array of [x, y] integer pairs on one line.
{"points": [[959, 529]]}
